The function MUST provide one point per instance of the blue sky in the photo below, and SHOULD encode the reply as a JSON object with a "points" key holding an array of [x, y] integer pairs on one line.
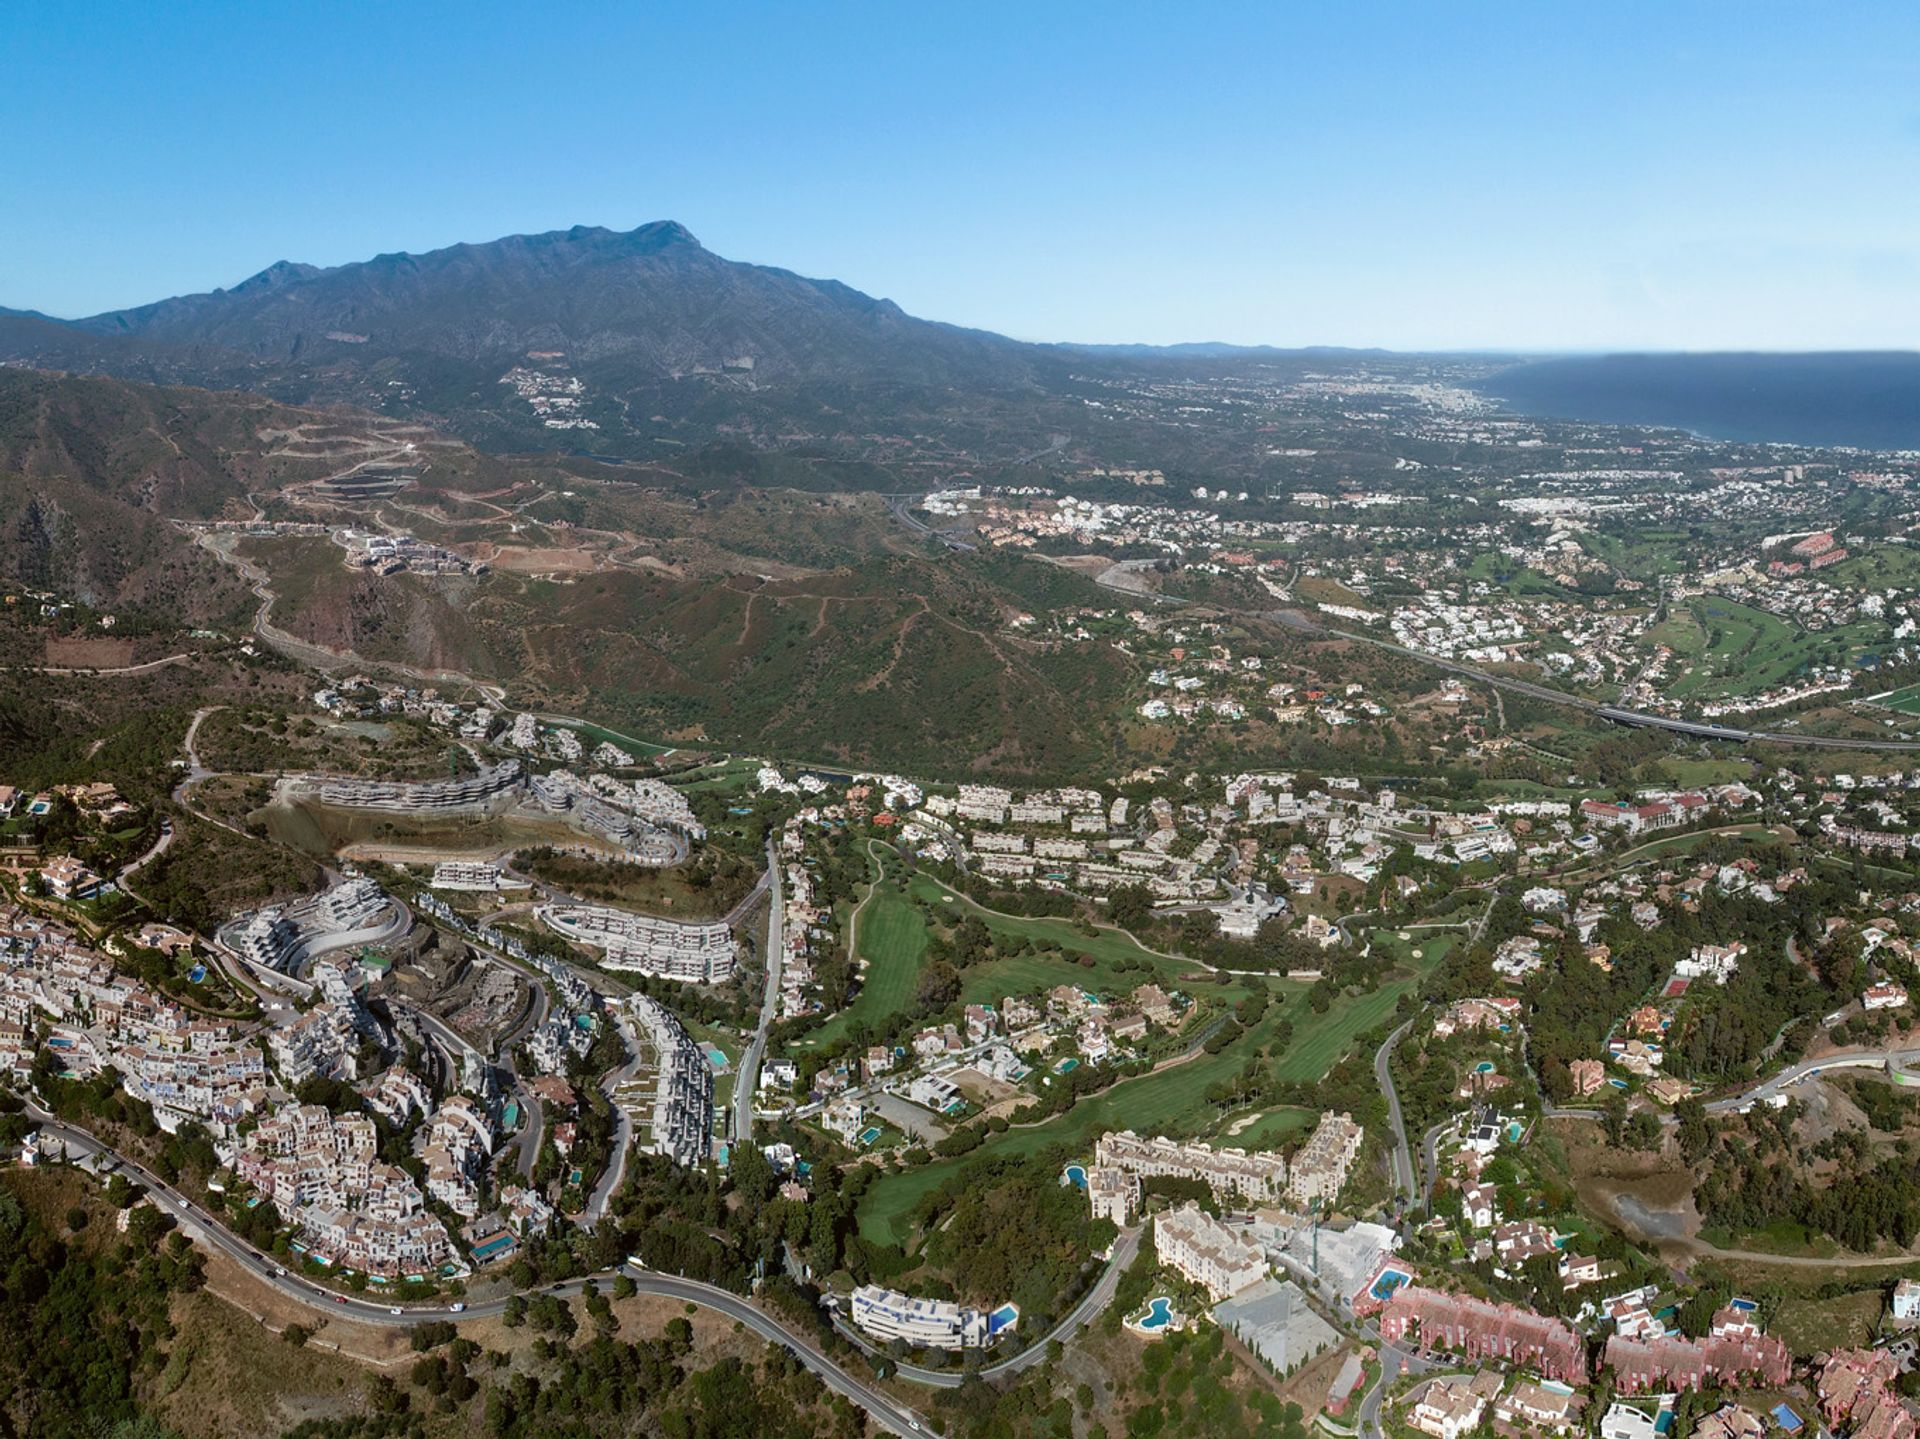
{"points": [[1676, 175]]}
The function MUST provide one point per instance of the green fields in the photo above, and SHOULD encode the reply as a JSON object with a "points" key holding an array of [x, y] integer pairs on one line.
{"points": [[1749, 650], [1106, 947], [1906, 701], [1173, 1099], [892, 935]]}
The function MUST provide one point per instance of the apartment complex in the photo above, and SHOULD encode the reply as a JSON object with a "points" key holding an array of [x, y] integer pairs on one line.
{"points": [[323, 1173], [645, 944], [1202, 1249], [446, 796], [1113, 1193], [1319, 1170], [678, 1112], [1662, 1362], [1476, 1329], [1230, 1173]]}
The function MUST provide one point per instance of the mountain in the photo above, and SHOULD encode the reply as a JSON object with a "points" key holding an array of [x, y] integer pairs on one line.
{"points": [[613, 341], [93, 471], [654, 295]]}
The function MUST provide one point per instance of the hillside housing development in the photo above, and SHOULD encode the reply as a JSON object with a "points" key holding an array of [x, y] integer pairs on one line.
{"points": [[1230, 1173], [645, 944]]}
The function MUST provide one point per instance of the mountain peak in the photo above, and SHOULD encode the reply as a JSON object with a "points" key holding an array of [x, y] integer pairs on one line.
{"points": [[280, 272]]}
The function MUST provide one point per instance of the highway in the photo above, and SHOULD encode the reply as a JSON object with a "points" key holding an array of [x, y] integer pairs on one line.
{"points": [[202, 1227], [747, 1077], [1306, 624]]}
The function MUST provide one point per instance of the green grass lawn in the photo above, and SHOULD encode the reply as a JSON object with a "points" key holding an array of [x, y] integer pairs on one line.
{"points": [[892, 936], [1173, 1101], [1705, 771], [1750, 650], [1680, 632], [1907, 700], [593, 734], [1105, 946], [1270, 1129]]}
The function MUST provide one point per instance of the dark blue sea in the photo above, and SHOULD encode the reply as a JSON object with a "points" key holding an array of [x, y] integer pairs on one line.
{"points": [[1865, 400]]}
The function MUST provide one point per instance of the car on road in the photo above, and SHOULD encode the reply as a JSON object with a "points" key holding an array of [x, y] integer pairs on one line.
{"points": [[459, 1306], [395, 1309], [339, 1299], [280, 1270]]}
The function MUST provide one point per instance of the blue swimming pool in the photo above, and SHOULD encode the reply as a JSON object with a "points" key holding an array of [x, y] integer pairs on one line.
{"points": [[1485, 1066], [1389, 1280], [1066, 1066], [867, 1136], [1158, 1316], [1076, 1175], [1003, 1319], [196, 974]]}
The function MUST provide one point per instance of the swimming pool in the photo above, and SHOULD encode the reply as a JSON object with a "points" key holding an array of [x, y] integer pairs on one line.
{"points": [[1066, 1066], [1485, 1066], [717, 1058], [196, 974], [1389, 1280], [1076, 1175], [1158, 1316], [867, 1136], [1003, 1319]]}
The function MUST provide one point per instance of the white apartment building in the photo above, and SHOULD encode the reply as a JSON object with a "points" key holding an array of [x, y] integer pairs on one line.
{"points": [[1258, 1178], [923, 1323], [1113, 1194], [645, 944], [1201, 1249], [1320, 1168]]}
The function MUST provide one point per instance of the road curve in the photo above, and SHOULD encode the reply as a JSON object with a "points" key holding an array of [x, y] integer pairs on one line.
{"points": [[1091, 1304], [890, 1414], [1404, 1178]]}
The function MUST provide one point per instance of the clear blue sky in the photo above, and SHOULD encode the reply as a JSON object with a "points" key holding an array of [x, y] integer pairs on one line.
{"points": [[1675, 175]]}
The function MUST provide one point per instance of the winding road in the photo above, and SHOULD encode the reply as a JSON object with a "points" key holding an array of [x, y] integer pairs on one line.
{"points": [[199, 1225]]}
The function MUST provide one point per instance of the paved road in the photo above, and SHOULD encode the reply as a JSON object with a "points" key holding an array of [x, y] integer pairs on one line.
{"points": [[615, 1173], [199, 1225], [533, 1116], [1404, 1178], [154, 851], [91, 671], [747, 1077], [1091, 1305], [1306, 624]]}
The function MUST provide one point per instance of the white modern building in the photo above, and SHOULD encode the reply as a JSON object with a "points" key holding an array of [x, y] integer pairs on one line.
{"points": [[924, 1323]]}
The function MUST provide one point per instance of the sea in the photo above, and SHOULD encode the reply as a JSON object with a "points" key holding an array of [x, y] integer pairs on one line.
{"points": [[1863, 400]]}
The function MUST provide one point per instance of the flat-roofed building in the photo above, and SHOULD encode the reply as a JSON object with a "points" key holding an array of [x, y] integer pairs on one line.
{"points": [[924, 1323]]}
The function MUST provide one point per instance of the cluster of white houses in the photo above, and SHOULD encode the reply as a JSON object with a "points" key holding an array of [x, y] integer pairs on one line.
{"points": [[322, 1171]]}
